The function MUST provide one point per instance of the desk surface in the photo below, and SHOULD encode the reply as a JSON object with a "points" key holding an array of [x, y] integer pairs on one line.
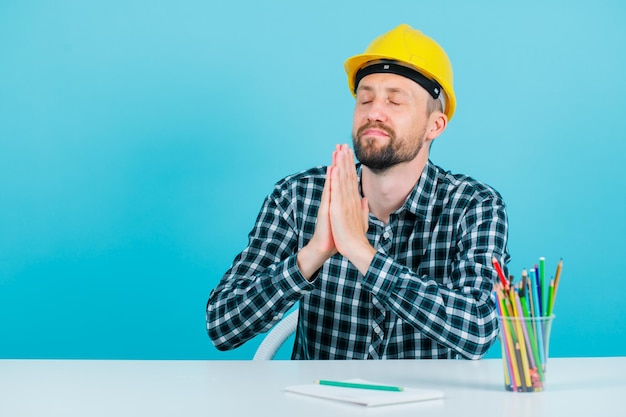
{"points": [[48, 388]]}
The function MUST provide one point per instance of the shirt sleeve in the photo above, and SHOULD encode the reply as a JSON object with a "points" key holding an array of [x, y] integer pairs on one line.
{"points": [[460, 314], [263, 282]]}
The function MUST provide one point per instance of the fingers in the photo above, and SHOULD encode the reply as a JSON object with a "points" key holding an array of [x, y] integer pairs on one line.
{"points": [[349, 212], [343, 176], [343, 159], [346, 205], [322, 240]]}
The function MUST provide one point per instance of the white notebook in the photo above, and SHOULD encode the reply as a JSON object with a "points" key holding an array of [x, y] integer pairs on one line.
{"points": [[365, 397]]}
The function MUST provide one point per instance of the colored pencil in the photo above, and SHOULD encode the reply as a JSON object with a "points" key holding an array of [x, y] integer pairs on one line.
{"points": [[507, 342], [500, 272], [550, 297], [357, 385], [557, 278], [519, 331]]}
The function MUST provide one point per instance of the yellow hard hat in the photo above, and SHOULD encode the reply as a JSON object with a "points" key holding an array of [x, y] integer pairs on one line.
{"points": [[411, 49]]}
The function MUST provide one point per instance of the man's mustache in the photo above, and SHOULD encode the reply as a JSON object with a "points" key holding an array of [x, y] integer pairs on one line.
{"points": [[376, 125]]}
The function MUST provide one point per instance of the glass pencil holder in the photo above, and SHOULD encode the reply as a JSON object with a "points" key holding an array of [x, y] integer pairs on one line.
{"points": [[525, 343]]}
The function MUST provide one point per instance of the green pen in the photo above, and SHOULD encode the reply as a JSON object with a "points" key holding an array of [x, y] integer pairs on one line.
{"points": [[550, 297], [357, 385]]}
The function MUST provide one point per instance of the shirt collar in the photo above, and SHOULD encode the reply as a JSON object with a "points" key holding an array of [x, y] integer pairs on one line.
{"points": [[421, 198]]}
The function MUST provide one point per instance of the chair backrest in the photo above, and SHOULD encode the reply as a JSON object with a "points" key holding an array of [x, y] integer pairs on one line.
{"points": [[277, 336]]}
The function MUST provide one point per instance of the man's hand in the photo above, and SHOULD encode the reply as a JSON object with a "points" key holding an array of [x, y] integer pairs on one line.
{"points": [[322, 245], [348, 211], [342, 219]]}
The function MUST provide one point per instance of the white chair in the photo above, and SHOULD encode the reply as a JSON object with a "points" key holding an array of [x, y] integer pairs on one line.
{"points": [[277, 336]]}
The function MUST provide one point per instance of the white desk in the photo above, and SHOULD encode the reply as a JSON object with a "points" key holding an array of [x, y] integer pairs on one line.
{"points": [[48, 388]]}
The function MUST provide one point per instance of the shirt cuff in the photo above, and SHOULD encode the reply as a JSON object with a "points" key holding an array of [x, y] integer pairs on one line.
{"points": [[381, 276], [290, 280]]}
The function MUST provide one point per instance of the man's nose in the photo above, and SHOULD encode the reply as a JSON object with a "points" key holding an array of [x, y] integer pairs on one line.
{"points": [[378, 110]]}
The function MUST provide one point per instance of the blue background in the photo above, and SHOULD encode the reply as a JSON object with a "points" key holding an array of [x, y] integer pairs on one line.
{"points": [[139, 138]]}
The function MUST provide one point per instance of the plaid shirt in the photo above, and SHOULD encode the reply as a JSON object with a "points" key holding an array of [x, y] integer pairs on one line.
{"points": [[426, 294]]}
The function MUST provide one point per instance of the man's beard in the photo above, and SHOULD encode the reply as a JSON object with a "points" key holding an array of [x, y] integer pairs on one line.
{"points": [[380, 158]]}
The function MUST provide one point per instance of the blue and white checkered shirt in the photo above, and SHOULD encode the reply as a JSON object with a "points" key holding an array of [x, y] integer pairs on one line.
{"points": [[426, 294]]}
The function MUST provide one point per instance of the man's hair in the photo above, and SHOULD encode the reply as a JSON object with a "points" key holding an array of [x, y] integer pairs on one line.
{"points": [[433, 105]]}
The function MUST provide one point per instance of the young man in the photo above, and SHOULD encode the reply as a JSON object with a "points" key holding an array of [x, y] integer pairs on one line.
{"points": [[390, 258]]}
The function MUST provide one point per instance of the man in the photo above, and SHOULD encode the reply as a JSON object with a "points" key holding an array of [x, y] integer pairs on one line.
{"points": [[388, 259]]}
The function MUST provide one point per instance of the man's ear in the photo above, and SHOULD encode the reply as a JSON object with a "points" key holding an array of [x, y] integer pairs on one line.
{"points": [[437, 123]]}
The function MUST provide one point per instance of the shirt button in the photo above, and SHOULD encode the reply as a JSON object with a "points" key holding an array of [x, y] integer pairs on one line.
{"points": [[376, 329], [386, 235]]}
